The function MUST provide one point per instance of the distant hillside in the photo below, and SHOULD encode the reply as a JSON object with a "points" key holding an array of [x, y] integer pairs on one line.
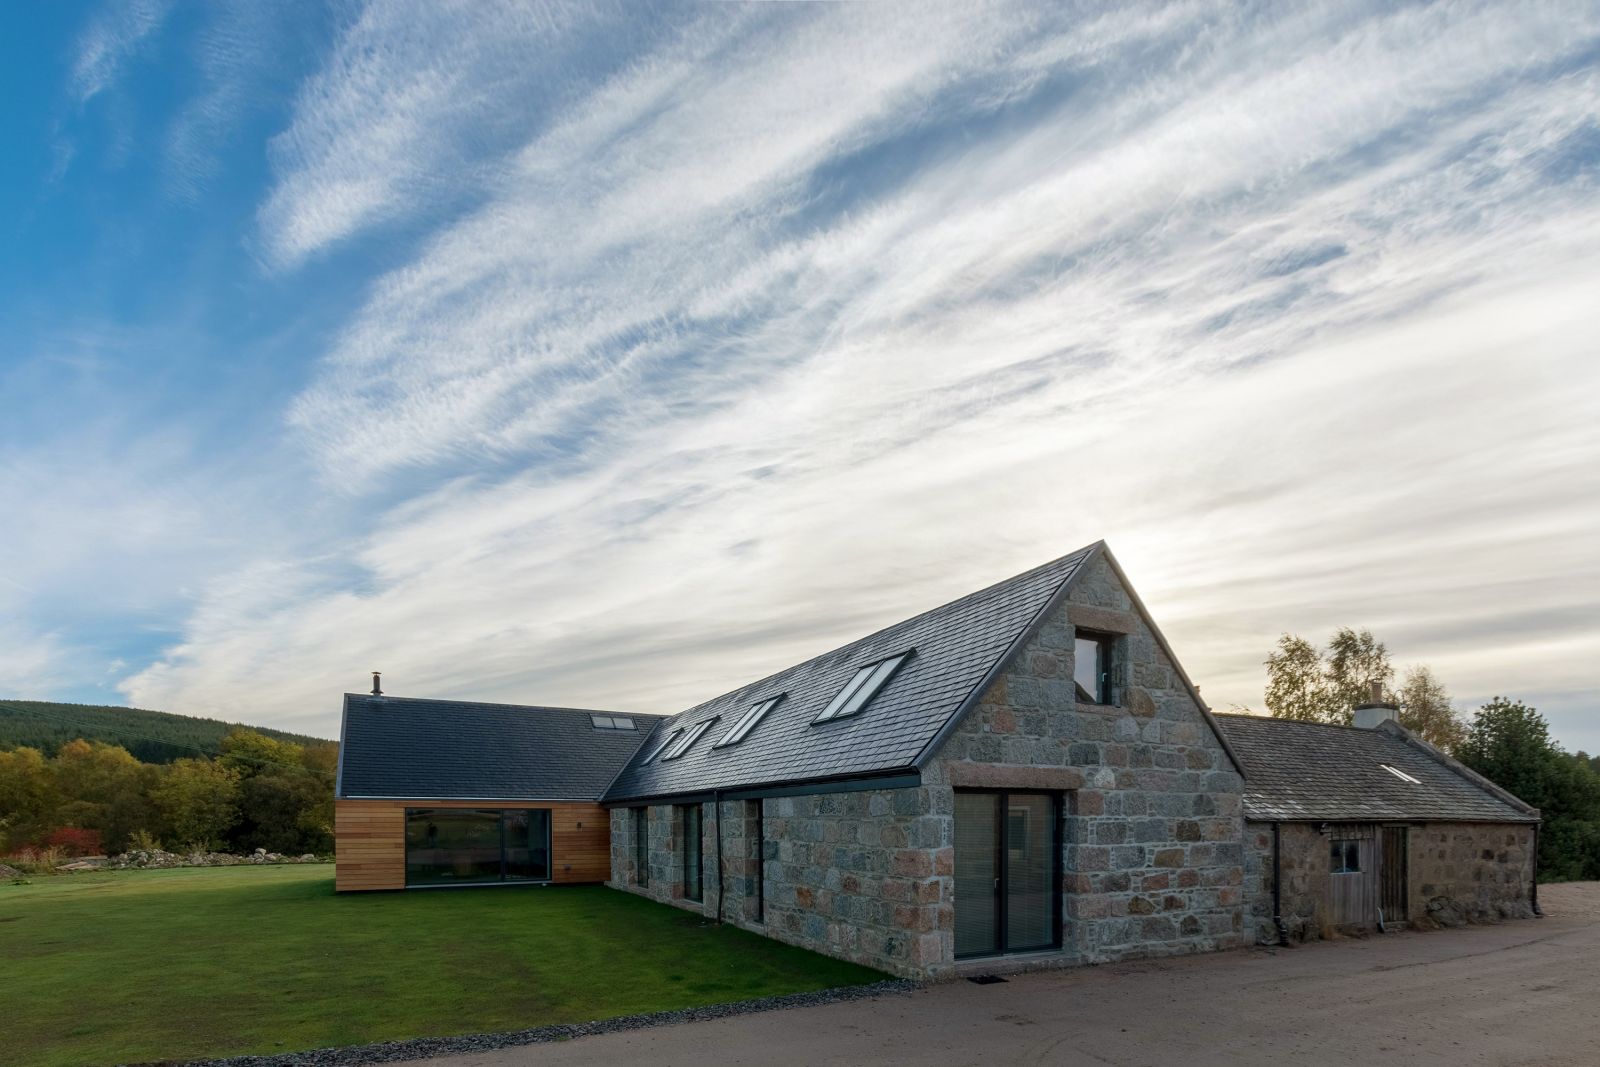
{"points": [[152, 736]]}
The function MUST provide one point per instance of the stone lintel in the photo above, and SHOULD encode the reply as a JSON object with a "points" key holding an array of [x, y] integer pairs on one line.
{"points": [[1002, 776], [1106, 620]]}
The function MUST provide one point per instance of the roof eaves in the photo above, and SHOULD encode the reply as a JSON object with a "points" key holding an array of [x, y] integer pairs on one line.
{"points": [[887, 778], [1004, 661], [1394, 729], [338, 770], [1183, 675]]}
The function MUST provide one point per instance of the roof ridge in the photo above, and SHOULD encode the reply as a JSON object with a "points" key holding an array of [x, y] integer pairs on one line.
{"points": [[1293, 722], [502, 704]]}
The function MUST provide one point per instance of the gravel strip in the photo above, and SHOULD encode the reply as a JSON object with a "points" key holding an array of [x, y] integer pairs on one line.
{"points": [[427, 1047]]}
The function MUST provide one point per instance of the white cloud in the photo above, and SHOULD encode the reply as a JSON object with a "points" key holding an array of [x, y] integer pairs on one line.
{"points": [[678, 571], [30, 662], [800, 321]]}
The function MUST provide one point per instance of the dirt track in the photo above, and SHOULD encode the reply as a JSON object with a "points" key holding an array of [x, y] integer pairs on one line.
{"points": [[1524, 993]]}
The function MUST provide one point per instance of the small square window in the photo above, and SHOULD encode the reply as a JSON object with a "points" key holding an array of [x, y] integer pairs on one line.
{"points": [[1091, 667], [1345, 857]]}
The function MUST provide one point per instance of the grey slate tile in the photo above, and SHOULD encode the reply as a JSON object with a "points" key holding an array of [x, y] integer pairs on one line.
{"points": [[956, 645], [440, 749], [1302, 771]]}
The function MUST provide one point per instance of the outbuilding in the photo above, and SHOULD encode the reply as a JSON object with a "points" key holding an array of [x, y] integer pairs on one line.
{"points": [[1368, 827]]}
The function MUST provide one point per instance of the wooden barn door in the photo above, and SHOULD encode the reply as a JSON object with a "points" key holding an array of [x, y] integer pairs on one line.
{"points": [[1394, 874], [1353, 875]]}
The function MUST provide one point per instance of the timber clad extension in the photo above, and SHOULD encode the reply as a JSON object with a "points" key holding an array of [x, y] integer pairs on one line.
{"points": [[1023, 777], [372, 839], [453, 765]]}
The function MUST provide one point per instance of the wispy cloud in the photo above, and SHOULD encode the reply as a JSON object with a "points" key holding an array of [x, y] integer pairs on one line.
{"points": [[32, 663], [775, 324], [238, 55], [112, 37], [411, 99]]}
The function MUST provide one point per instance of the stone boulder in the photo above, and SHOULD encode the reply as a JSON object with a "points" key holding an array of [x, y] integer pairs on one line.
{"points": [[1447, 912]]}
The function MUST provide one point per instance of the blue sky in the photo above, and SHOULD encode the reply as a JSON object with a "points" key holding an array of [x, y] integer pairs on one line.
{"points": [[610, 356]]}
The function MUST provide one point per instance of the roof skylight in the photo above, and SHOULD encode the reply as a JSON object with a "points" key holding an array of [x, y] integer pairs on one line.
{"points": [[670, 738], [611, 722], [1402, 775], [862, 687], [690, 736], [748, 720]]}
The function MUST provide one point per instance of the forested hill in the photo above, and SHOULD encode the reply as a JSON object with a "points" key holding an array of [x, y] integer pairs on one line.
{"points": [[151, 736]]}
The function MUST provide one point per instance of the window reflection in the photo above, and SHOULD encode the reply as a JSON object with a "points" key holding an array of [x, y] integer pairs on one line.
{"points": [[474, 846]]}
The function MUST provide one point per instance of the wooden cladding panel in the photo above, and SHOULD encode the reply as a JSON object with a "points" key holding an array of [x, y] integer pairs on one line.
{"points": [[580, 843], [369, 845], [370, 840]]}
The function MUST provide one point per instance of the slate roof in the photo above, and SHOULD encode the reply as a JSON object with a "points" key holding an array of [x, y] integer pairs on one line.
{"points": [[1303, 771], [455, 749], [957, 646]]}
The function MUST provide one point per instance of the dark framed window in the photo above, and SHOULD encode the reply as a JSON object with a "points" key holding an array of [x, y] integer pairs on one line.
{"points": [[641, 846], [1091, 666], [693, 870], [1008, 888], [756, 823], [1346, 857], [477, 846]]}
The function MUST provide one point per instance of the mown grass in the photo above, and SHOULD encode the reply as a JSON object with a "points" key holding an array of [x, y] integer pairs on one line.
{"points": [[138, 966]]}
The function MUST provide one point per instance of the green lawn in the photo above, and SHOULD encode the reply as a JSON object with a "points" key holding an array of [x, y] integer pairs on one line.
{"points": [[134, 966]]}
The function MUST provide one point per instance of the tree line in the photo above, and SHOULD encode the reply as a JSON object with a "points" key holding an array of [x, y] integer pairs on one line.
{"points": [[1506, 741], [150, 736], [93, 797]]}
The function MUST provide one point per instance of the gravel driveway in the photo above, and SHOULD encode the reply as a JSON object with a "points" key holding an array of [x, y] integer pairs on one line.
{"points": [[1524, 993]]}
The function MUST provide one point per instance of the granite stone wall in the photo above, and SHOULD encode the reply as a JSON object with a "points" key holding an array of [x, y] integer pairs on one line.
{"points": [[1456, 873], [1154, 857], [1304, 862], [1153, 853], [1471, 872], [665, 860], [863, 876]]}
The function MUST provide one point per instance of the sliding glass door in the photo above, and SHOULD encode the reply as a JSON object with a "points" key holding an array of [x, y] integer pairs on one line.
{"points": [[477, 846], [1008, 863]]}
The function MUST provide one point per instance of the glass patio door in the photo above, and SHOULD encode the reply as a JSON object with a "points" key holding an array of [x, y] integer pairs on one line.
{"points": [[1007, 866]]}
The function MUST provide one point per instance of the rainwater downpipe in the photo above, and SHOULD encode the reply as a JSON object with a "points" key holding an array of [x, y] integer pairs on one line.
{"points": [[1277, 885]]}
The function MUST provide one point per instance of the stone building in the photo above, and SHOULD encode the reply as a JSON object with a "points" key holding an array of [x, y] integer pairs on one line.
{"points": [[1367, 826], [1024, 777], [1026, 771]]}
